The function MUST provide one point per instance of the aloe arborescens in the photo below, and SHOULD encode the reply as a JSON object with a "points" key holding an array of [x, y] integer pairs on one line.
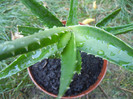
{"points": [[65, 41]]}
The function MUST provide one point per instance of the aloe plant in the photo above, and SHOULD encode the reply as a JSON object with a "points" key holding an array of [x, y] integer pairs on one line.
{"points": [[65, 43]]}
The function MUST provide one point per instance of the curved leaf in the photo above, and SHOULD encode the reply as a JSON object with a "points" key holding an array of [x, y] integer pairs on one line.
{"points": [[72, 18], [25, 30], [30, 43], [39, 10], [64, 39], [119, 29], [99, 42], [108, 18], [68, 61], [24, 61]]}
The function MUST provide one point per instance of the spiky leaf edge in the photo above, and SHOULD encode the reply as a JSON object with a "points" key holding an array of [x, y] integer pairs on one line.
{"points": [[26, 60], [30, 43], [68, 61], [96, 41]]}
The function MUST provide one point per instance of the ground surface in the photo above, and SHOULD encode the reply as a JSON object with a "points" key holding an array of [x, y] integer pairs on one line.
{"points": [[117, 84]]}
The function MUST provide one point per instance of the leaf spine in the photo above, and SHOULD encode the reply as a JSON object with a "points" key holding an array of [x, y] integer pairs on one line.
{"points": [[74, 72], [56, 34], [26, 48], [34, 52], [44, 47], [13, 53], [39, 42], [63, 31], [39, 60], [46, 57], [68, 87], [79, 73], [50, 37], [54, 26], [25, 55]]}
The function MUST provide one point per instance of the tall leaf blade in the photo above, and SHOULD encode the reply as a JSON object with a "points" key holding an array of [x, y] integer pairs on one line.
{"points": [[68, 60], [24, 30], [72, 18], [99, 42], [24, 61], [30, 43], [79, 62], [108, 18], [39, 10], [119, 29]]}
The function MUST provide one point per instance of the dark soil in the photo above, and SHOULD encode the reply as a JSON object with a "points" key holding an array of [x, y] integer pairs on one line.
{"points": [[47, 74]]}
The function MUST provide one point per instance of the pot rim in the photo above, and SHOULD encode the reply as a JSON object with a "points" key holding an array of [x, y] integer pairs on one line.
{"points": [[91, 88]]}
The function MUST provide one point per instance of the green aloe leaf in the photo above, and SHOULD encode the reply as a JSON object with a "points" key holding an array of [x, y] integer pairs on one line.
{"points": [[72, 18], [99, 42], [30, 43], [24, 30], [26, 60], [119, 29], [64, 39], [108, 18], [39, 10], [79, 63], [68, 61]]}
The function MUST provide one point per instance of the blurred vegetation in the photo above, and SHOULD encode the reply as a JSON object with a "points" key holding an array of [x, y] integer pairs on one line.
{"points": [[117, 84]]}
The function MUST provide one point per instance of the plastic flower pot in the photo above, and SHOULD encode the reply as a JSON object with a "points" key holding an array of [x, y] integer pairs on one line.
{"points": [[91, 88]]}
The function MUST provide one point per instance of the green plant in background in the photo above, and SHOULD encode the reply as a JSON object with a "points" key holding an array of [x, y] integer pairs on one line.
{"points": [[65, 43]]}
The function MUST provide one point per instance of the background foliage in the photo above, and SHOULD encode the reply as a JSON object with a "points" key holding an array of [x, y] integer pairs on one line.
{"points": [[118, 83]]}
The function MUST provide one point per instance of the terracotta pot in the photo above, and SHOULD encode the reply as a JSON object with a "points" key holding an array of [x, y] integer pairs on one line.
{"points": [[91, 88]]}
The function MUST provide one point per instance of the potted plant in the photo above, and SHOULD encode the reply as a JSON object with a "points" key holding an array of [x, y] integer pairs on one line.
{"points": [[66, 43], [40, 72]]}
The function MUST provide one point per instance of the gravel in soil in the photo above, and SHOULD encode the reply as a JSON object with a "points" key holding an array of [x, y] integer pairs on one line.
{"points": [[47, 74]]}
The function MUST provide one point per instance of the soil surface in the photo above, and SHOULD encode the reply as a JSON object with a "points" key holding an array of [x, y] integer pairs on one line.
{"points": [[47, 74]]}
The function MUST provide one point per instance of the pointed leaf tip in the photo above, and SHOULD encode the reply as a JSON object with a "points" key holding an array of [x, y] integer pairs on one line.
{"points": [[39, 10], [68, 60], [108, 18], [72, 18]]}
